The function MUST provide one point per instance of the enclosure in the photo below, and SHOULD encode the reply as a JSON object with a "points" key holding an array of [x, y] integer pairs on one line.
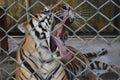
{"points": [[96, 26]]}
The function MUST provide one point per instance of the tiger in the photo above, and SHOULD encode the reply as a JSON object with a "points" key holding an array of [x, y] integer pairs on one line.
{"points": [[41, 49], [34, 54]]}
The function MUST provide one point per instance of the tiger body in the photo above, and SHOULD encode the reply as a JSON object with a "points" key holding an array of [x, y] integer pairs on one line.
{"points": [[37, 68], [39, 71], [37, 61]]}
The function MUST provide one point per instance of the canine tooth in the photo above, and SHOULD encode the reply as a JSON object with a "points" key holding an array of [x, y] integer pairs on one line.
{"points": [[55, 57]]}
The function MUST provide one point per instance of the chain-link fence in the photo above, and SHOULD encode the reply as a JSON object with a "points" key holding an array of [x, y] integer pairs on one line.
{"points": [[96, 26]]}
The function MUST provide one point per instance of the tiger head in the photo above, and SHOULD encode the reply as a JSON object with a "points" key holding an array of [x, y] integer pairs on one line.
{"points": [[44, 27]]}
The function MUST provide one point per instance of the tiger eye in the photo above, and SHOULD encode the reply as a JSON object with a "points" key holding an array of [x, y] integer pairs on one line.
{"points": [[64, 7]]}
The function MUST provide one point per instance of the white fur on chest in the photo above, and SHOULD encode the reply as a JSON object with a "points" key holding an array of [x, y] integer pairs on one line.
{"points": [[47, 69], [44, 69]]}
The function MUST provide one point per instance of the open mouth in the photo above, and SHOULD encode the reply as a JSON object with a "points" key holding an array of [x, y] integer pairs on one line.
{"points": [[58, 38]]}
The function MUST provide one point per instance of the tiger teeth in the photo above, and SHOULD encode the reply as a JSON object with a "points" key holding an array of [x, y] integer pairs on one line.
{"points": [[57, 49], [55, 57]]}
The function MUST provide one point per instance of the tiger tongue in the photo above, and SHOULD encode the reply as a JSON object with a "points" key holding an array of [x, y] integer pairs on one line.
{"points": [[64, 53]]}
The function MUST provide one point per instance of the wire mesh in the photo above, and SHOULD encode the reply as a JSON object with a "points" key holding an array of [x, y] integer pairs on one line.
{"points": [[96, 25]]}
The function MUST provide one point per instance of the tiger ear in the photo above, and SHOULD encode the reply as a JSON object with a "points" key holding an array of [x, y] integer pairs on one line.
{"points": [[22, 28], [46, 10]]}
